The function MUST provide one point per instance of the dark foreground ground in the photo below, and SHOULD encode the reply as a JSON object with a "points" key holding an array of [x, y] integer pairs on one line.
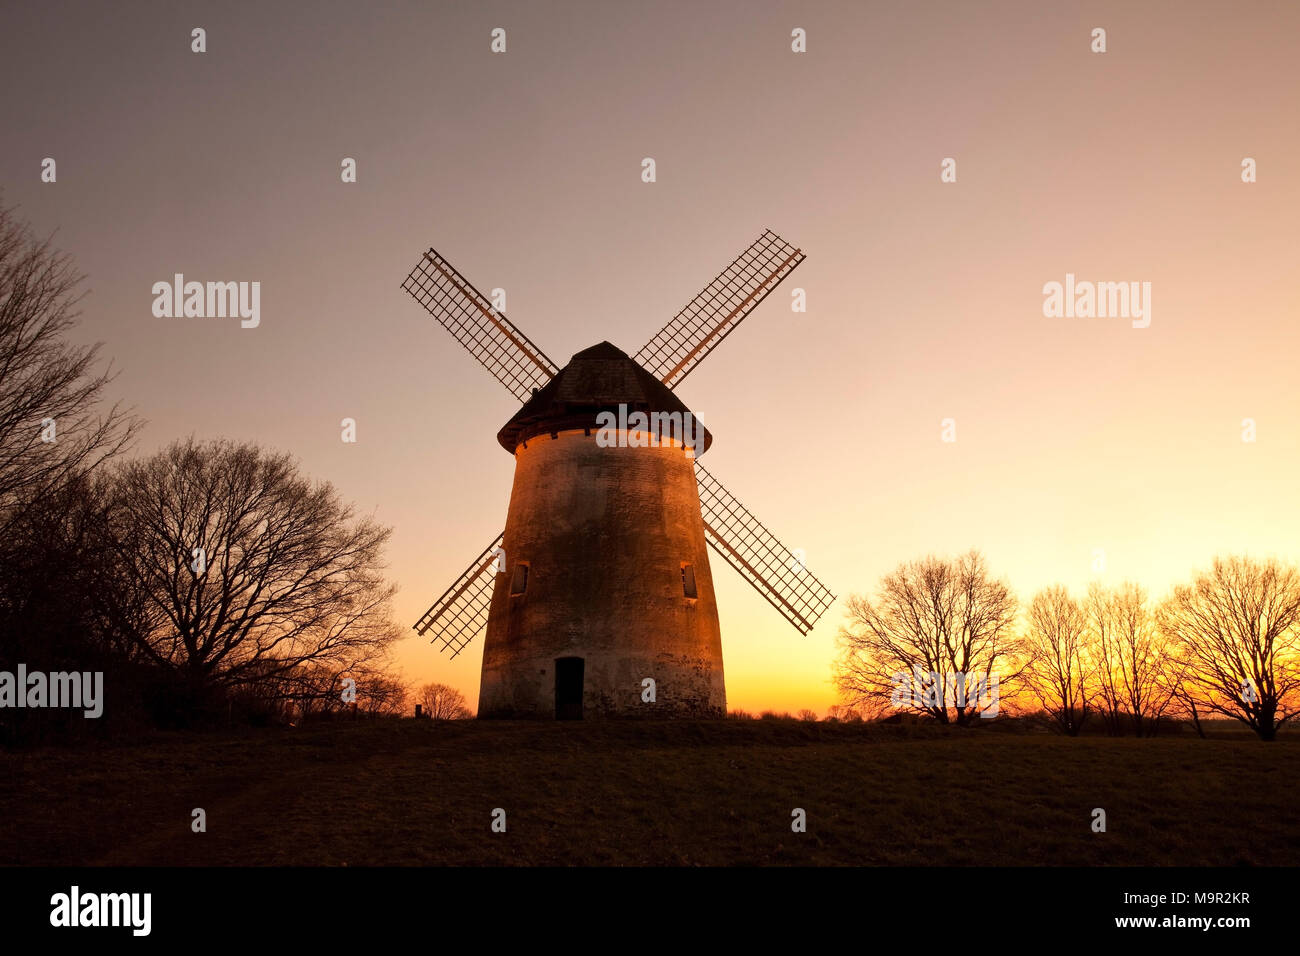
{"points": [[420, 793]]}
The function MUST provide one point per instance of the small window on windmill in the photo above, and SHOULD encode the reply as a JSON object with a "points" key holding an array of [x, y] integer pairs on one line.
{"points": [[688, 580], [519, 583]]}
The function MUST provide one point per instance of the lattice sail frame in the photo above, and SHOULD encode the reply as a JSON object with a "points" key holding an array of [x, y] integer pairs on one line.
{"points": [[461, 613], [714, 314], [489, 336], [762, 560]]}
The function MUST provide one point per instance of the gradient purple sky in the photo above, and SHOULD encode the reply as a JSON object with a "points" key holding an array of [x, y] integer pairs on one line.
{"points": [[924, 299]]}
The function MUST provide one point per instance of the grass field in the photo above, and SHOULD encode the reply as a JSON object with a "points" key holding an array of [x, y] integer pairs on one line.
{"points": [[419, 793]]}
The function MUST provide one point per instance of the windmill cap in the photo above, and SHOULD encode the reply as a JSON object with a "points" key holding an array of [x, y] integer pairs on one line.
{"points": [[596, 380]]}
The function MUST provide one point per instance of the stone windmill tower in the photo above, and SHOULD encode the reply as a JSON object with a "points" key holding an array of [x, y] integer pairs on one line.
{"points": [[598, 596]]}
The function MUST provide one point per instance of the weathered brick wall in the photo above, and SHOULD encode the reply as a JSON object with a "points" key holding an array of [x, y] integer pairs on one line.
{"points": [[605, 531]]}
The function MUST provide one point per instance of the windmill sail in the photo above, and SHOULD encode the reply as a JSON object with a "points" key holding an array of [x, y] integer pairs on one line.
{"points": [[461, 613], [713, 314], [773, 569], [489, 336]]}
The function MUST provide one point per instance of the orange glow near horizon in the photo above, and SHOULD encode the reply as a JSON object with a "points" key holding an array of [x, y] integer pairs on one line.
{"points": [[1075, 438]]}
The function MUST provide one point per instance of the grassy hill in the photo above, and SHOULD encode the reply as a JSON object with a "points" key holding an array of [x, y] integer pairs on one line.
{"points": [[406, 792]]}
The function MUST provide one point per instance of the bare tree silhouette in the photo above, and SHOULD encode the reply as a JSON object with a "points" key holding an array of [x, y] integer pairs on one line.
{"points": [[1057, 667], [52, 429], [315, 689], [943, 625], [1134, 674], [443, 703], [1236, 629], [242, 570], [382, 694]]}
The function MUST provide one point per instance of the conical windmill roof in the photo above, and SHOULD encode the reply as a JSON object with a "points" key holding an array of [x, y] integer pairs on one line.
{"points": [[598, 379]]}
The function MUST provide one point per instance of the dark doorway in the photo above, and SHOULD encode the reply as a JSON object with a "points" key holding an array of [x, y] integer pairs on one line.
{"points": [[568, 688]]}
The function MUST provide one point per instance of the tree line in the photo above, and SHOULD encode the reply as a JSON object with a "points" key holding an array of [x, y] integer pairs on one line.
{"points": [[1226, 644], [206, 580]]}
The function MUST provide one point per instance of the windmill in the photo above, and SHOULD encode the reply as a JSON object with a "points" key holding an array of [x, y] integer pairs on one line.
{"points": [[598, 596]]}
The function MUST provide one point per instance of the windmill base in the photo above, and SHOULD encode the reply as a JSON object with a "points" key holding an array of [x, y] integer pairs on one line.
{"points": [[604, 687]]}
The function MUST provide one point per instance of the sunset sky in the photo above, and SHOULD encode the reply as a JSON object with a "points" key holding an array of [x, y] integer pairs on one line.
{"points": [[925, 299]]}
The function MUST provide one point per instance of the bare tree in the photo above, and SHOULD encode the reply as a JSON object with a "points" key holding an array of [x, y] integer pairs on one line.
{"points": [[382, 695], [366, 688], [843, 714], [1184, 696], [938, 639], [1134, 675], [1057, 667], [52, 429], [444, 703], [1107, 680], [242, 570], [1237, 629]]}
